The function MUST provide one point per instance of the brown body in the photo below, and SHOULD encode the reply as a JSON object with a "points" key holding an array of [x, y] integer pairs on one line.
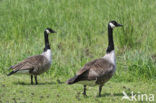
{"points": [[34, 65], [96, 72]]}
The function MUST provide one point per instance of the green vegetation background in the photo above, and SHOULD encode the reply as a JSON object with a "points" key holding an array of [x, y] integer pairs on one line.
{"points": [[81, 27]]}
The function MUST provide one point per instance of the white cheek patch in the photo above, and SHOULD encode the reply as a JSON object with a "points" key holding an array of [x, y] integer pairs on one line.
{"points": [[112, 25], [47, 31]]}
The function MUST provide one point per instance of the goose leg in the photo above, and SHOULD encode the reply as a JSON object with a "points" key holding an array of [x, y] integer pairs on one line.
{"points": [[100, 89], [32, 79], [36, 80], [84, 92]]}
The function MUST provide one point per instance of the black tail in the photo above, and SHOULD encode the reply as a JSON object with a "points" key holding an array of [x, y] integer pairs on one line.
{"points": [[11, 73], [72, 80]]}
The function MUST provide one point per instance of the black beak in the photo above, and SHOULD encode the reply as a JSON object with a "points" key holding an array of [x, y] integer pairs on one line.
{"points": [[53, 31], [119, 25]]}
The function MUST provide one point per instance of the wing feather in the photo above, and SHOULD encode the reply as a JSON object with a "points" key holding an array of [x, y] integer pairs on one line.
{"points": [[94, 69], [29, 63]]}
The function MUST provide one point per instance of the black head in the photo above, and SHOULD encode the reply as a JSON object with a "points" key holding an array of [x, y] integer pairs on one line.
{"points": [[114, 24], [49, 30]]}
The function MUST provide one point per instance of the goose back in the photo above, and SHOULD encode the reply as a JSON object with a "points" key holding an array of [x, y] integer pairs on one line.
{"points": [[99, 71], [34, 65]]}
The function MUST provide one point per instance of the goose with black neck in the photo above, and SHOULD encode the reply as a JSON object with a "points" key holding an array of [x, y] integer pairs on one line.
{"points": [[38, 64], [98, 71]]}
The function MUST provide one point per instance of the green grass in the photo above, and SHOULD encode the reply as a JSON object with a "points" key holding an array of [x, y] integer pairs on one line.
{"points": [[17, 89], [81, 27]]}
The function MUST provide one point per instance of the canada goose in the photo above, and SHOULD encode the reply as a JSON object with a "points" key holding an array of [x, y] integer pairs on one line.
{"points": [[98, 71], [37, 64]]}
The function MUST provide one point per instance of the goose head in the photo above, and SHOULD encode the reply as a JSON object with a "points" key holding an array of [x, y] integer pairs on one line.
{"points": [[114, 24], [49, 30]]}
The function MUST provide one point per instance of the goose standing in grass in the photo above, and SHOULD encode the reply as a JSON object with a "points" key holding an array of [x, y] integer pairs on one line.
{"points": [[38, 64], [98, 71]]}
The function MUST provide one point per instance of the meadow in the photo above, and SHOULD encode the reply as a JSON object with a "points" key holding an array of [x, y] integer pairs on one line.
{"points": [[81, 27]]}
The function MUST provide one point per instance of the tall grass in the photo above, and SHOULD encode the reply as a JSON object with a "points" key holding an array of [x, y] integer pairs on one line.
{"points": [[81, 27]]}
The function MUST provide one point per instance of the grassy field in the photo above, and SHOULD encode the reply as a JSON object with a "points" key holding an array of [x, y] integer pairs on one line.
{"points": [[81, 27], [52, 90]]}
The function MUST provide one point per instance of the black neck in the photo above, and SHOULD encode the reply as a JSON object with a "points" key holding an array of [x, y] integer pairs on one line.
{"points": [[47, 45], [110, 40]]}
